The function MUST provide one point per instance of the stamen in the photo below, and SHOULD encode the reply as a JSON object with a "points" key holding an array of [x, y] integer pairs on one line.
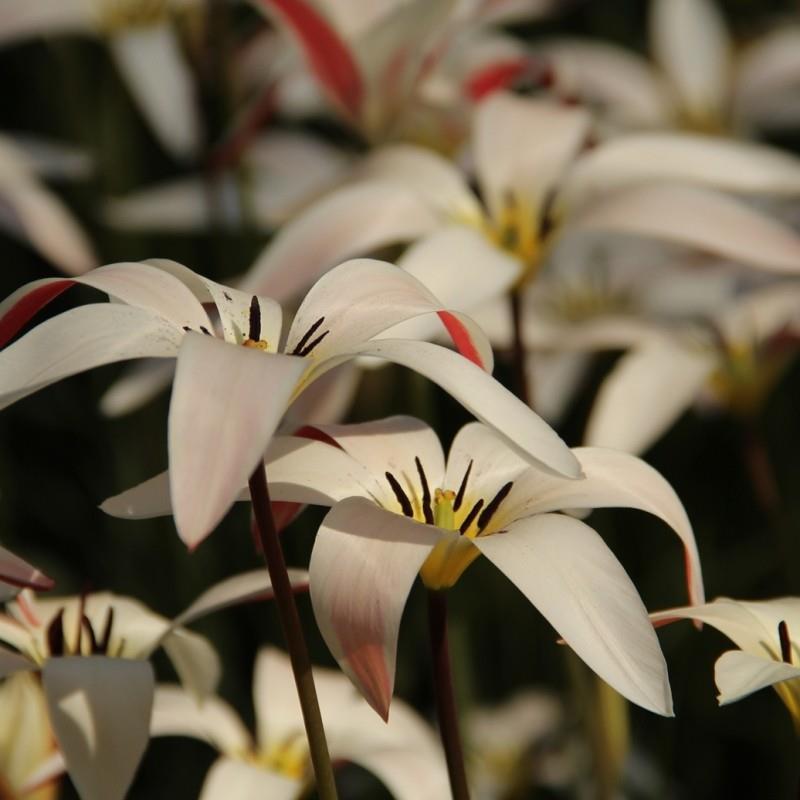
{"points": [[486, 517], [306, 336], [401, 496], [461, 489], [55, 634], [102, 645], [303, 353], [464, 527], [786, 642], [254, 332], [205, 330], [427, 510], [81, 615]]}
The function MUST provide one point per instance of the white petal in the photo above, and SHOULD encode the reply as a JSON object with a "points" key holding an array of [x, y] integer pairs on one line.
{"points": [[522, 147], [328, 399], [691, 43], [49, 225], [718, 163], [484, 397], [81, 339], [175, 207], [333, 229], [11, 662], [21, 20], [139, 384], [364, 562], [739, 674], [226, 403], [53, 159], [158, 76], [236, 779], [19, 572], [195, 661], [177, 713], [698, 218], [362, 298], [645, 393], [100, 711], [563, 567]]}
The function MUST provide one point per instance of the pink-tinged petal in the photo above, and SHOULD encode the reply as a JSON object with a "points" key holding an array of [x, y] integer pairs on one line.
{"points": [[81, 339], [332, 230], [46, 222], [11, 662], [767, 73], [20, 306], [185, 205], [508, 165], [328, 56], [364, 297], [232, 304], [739, 674], [718, 163], [645, 393], [226, 403], [364, 562], [690, 41], [18, 572], [155, 69], [177, 713], [439, 184], [139, 384], [698, 218], [484, 397], [563, 567], [230, 778], [612, 479], [100, 712], [621, 83]]}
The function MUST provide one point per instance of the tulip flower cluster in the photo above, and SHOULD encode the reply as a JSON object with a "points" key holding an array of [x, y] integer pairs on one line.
{"points": [[457, 281]]}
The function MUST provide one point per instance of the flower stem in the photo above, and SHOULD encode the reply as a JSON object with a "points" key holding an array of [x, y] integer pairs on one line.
{"points": [[445, 697], [518, 366], [290, 623]]}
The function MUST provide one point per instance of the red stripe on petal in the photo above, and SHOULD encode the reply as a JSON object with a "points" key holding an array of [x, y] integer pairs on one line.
{"points": [[504, 74], [328, 55], [22, 311], [312, 432], [461, 338]]}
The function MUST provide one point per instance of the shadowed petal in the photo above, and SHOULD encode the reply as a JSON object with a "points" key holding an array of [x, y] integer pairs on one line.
{"points": [[19, 572], [564, 568], [11, 662], [100, 711], [229, 778], [364, 562], [739, 674], [226, 403]]}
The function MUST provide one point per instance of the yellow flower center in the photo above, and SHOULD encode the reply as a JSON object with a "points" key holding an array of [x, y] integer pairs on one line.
{"points": [[518, 231], [288, 757], [114, 16], [254, 344]]}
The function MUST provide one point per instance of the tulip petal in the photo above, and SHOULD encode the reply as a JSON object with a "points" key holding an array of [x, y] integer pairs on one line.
{"points": [[21, 20], [698, 218], [483, 397], [506, 164], [229, 778], [140, 383], [645, 393], [195, 661], [11, 662], [364, 562], [717, 163], [100, 711], [333, 229], [19, 572], [364, 297], [177, 713], [564, 568], [226, 403], [739, 674], [159, 79], [612, 479], [174, 207], [49, 226], [690, 41], [81, 339]]}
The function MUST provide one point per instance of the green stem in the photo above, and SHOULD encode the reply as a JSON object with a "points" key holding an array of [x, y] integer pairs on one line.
{"points": [[518, 364], [445, 697], [270, 546]]}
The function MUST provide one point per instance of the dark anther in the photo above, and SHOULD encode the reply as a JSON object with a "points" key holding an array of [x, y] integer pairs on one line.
{"points": [[461, 489], [255, 320], [227, 297], [102, 645], [306, 336], [401, 496], [86, 625], [309, 347], [546, 216], [786, 642], [464, 527], [488, 512], [186, 328], [205, 330], [427, 510], [55, 634]]}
